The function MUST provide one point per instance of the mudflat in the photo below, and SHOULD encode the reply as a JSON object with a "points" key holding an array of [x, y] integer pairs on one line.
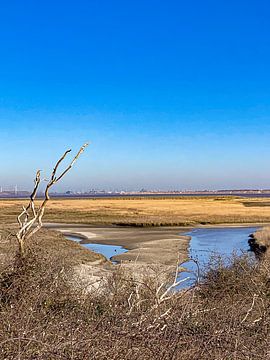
{"points": [[163, 245]]}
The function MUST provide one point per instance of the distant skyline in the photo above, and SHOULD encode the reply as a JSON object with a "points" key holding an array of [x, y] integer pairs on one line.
{"points": [[171, 95]]}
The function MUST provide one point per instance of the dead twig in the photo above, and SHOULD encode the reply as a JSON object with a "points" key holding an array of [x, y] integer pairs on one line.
{"points": [[30, 219]]}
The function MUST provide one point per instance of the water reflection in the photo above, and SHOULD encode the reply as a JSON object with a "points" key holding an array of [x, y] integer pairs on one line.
{"points": [[206, 242], [107, 250]]}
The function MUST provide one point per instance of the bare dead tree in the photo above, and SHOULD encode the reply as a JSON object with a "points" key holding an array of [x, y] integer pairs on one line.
{"points": [[30, 219]]}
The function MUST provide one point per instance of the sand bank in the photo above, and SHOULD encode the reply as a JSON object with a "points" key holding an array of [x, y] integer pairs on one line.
{"points": [[147, 246]]}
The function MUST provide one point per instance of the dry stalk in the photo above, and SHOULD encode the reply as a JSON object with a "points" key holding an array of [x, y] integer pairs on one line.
{"points": [[250, 309]]}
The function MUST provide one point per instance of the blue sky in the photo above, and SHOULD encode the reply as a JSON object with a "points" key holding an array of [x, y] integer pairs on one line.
{"points": [[171, 94]]}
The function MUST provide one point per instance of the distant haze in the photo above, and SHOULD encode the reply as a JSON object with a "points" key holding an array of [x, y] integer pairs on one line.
{"points": [[172, 95]]}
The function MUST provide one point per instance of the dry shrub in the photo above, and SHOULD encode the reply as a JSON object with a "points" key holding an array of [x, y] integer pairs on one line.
{"points": [[260, 242], [44, 317], [263, 235]]}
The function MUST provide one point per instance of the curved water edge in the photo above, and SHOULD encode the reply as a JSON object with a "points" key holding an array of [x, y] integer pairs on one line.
{"points": [[207, 242], [109, 251], [203, 244]]}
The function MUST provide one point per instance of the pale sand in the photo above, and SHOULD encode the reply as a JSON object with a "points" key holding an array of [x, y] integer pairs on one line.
{"points": [[84, 234], [162, 246], [151, 251]]}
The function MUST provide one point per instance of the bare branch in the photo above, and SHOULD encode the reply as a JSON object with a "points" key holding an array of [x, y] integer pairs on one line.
{"points": [[73, 161], [27, 225], [250, 309], [58, 163], [31, 202]]}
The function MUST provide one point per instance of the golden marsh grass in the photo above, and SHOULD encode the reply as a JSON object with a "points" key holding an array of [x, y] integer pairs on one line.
{"points": [[148, 211]]}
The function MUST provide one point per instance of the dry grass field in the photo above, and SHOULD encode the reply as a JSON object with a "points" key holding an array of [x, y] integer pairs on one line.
{"points": [[148, 211], [53, 242], [44, 317], [47, 313]]}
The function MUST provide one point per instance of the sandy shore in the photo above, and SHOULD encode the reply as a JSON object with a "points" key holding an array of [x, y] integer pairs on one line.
{"points": [[153, 251], [156, 245], [162, 245]]}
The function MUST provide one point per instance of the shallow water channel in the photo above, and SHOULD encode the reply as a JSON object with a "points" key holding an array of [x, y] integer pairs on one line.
{"points": [[107, 250], [206, 242]]}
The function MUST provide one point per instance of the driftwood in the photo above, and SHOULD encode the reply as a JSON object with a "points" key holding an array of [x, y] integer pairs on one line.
{"points": [[30, 219]]}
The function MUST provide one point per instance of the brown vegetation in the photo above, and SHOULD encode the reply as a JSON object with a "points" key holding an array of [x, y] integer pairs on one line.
{"points": [[45, 317], [260, 242], [148, 211], [50, 242]]}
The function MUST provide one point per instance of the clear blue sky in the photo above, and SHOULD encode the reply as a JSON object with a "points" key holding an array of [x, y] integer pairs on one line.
{"points": [[172, 94]]}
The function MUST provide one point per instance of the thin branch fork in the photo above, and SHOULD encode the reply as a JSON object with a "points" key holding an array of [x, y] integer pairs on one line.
{"points": [[27, 224], [167, 293], [31, 202]]}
